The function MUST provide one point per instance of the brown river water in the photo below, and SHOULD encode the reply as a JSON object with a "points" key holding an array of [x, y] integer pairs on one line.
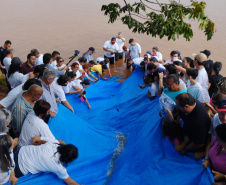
{"points": [[67, 25]]}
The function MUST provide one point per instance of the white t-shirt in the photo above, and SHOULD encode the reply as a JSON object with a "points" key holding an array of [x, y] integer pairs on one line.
{"points": [[153, 89], [53, 64], [61, 67], [196, 92], [33, 126], [168, 62], [77, 83], [39, 60], [110, 47], [17, 78], [7, 63], [134, 51], [138, 60], [8, 101], [214, 123], [120, 44], [159, 55], [100, 59], [203, 80], [58, 91], [161, 66], [183, 84], [4, 176], [42, 158], [69, 87]]}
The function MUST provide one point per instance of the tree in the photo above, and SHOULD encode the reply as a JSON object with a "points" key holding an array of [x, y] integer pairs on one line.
{"points": [[161, 19]]}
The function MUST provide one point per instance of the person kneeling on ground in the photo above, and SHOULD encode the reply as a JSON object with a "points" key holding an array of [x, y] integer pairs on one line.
{"points": [[216, 154], [32, 159], [97, 68], [153, 86]]}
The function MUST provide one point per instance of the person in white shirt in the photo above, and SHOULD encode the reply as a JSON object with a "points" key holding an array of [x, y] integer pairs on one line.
{"points": [[134, 49], [53, 61], [173, 57], [47, 157], [120, 41], [34, 125], [155, 52], [60, 64], [58, 84], [110, 48], [14, 76], [7, 60], [153, 88], [194, 88], [202, 77], [69, 89], [39, 57]]}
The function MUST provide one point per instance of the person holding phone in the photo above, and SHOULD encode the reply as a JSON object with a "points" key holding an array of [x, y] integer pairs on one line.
{"points": [[121, 42]]}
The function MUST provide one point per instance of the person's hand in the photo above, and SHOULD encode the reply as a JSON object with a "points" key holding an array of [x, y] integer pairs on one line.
{"points": [[161, 75], [142, 86], [104, 78], [168, 110], [96, 80], [206, 103], [72, 110], [13, 179], [52, 114], [205, 164], [57, 100], [31, 75], [89, 106], [36, 140], [217, 175]]}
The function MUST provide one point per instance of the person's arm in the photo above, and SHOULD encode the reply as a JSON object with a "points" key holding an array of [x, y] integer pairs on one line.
{"points": [[210, 106], [161, 81], [66, 104], [180, 146], [150, 96], [92, 76], [74, 92], [109, 71], [191, 147], [52, 114], [105, 49], [102, 76], [88, 103], [139, 54], [206, 161], [12, 178], [218, 176], [170, 114], [179, 68], [70, 181]]}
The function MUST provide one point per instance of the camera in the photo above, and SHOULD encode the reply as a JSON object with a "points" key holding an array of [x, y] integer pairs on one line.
{"points": [[76, 53]]}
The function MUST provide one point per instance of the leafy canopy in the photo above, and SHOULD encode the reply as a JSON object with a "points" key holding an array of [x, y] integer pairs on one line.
{"points": [[161, 19]]}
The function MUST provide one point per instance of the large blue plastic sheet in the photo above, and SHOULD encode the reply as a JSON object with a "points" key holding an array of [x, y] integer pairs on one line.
{"points": [[119, 140]]}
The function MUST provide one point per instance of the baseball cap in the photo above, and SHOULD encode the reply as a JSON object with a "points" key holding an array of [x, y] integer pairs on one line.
{"points": [[16, 60], [92, 49], [222, 106], [124, 47], [178, 52], [201, 57], [206, 52], [113, 39], [85, 82], [145, 57]]}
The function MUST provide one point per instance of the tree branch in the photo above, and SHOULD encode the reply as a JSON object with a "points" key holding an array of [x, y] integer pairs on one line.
{"points": [[127, 7], [149, 7]]}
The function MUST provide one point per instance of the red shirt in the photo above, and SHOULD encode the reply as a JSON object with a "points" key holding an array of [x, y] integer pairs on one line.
{"points": [[25, 68]]}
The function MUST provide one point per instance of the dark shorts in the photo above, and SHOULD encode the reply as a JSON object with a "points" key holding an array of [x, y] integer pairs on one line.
{"points": [[118, 56], [111, 59], [17, 171]]}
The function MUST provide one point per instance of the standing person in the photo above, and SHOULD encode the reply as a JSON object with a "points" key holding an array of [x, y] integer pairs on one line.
{"points": [[155, 52], [55, 54], [120, 41], [110, 48], [29, 65], [23, 105], [173, 57], [7, 60], [14, 76], [202, 77], [48, 157], [214, 78], [39, 57], [208, 63], [48, 94], [188, 62], [89, 53], [134, 49], [3, 54], [126, 51]]}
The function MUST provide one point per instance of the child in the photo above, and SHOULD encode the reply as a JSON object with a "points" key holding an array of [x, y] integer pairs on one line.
{"points": [[153, 86]]}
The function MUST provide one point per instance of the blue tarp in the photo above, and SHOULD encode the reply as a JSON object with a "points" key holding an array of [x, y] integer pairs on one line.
{"points": [[119, 140]]}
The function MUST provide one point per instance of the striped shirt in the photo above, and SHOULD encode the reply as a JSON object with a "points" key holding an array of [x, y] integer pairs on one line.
{"points": [[20, 110]]}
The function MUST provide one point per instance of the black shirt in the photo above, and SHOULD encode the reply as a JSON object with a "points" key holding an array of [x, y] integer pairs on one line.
{"points": [[213, 79], [208, 66], [196, 124], [2, 54]]}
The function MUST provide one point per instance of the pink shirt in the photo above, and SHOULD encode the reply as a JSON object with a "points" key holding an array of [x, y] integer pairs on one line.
{"points": [[218, 161]]}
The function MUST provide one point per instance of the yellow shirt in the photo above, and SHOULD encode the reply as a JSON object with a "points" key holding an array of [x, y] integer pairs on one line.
{"points": [[97, 68]]}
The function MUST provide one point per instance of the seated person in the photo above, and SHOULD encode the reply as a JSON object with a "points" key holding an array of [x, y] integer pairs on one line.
{"points": [[168, 96], [48, 157], [60, 64], [195, 88], [153, 88], [216, 154], [23, 105], [96, 68], [34, 125], [195, 122], [106, 62], [58, 85]]}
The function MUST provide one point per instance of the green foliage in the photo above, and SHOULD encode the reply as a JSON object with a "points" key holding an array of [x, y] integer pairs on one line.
{"points": [[168, 20]]}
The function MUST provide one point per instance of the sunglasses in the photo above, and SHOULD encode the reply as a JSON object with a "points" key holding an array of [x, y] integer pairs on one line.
{"points": [[61, 61]]}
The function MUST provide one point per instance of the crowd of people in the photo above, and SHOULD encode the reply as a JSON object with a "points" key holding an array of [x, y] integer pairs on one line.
{"points": [[192, 104]]}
